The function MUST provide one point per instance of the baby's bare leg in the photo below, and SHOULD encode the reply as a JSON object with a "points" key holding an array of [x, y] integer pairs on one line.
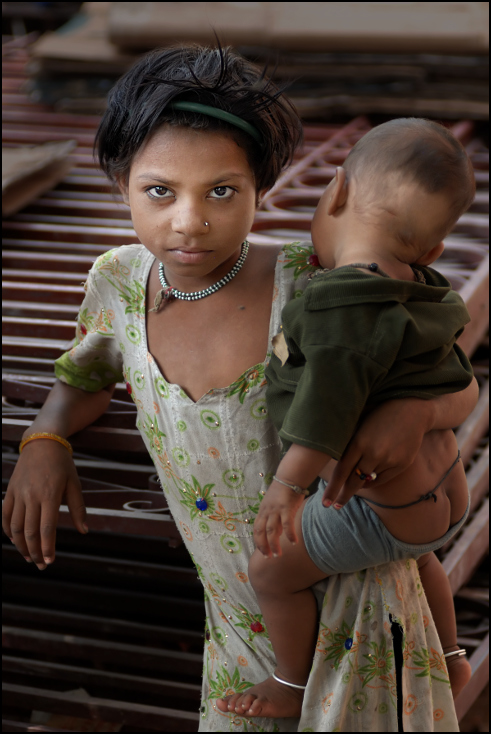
{"points": [[282, 586], [439, 594]]}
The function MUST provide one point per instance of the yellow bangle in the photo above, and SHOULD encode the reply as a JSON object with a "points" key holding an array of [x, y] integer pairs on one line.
{"points": [[52, 436]]}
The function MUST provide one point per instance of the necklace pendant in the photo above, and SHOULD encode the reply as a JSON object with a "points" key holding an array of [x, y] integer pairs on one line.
{"points": [[163, 297]]}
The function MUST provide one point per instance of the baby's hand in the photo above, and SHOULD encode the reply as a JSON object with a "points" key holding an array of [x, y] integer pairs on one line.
{"points": [[276, 515]]}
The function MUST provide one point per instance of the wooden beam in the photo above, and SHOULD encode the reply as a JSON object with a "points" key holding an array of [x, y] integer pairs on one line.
{"points": [[474, 427], [479, 661], [187, 695], [469, 549], [131, 714], [134, 657]]}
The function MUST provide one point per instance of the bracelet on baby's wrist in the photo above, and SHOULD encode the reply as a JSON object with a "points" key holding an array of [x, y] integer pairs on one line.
{"points": [[294, 487]]}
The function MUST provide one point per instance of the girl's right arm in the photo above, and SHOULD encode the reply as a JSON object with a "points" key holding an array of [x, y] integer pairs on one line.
{"points": [[45, 473]]}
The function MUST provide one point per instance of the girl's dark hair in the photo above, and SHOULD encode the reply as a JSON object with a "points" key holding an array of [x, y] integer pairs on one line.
{"points": [[139, 104]]}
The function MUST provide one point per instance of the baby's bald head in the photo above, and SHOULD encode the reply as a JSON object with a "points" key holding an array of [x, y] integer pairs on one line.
{"points": [[415, 152]]}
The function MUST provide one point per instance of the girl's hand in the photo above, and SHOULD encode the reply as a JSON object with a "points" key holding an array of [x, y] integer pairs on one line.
{"points": [[276, 515], [44, 474], [387, 442]]}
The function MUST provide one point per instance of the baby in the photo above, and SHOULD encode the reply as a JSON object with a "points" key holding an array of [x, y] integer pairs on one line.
{"points": [[375, 323]]}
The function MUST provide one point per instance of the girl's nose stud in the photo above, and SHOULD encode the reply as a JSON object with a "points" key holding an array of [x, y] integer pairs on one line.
{"points": [[207, 224]]}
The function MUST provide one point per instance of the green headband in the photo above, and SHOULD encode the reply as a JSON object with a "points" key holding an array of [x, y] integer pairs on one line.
{"points": [[205, 109]]}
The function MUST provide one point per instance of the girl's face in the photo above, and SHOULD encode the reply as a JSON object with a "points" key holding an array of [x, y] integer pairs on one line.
{"points": [[180, 179]]}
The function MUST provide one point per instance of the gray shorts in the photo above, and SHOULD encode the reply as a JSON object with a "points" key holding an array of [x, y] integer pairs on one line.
{"points": [[354, 538]]}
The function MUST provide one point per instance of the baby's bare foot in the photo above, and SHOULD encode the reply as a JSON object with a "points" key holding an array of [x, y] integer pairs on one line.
{"points": [[269, 699], [459, 672]]}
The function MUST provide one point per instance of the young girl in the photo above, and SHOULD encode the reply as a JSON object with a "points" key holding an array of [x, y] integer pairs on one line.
{"points": [[193, 136]]}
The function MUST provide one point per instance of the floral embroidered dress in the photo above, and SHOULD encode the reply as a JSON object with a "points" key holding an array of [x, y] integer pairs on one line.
{"points": [[214, 458]]}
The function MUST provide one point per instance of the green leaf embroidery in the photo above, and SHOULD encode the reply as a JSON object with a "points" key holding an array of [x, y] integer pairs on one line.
{"points": [[297, 257], [190, 493], [248, 379], [226, 684]]}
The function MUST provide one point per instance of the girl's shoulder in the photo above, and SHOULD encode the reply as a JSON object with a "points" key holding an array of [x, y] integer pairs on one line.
{"points": [[296, 261], [126, 256], [121, 266]]}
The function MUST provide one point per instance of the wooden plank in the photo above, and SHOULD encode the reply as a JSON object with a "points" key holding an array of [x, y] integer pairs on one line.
{"points": [[476, 296], [9, 725], [143, 576], [41, 310], [38, 328], [187, 695], [32, 347], [155, 608], [111, 438], [48, 292], [163, 719], [468, 551], [45, 260], [474, 427], [479, 662], [46, 276], [125, 656], [478, 479], [141, 633]]}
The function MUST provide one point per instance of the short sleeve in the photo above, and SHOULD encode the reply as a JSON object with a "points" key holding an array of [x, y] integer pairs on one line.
{"points": [[95, 359], [329, 398]]}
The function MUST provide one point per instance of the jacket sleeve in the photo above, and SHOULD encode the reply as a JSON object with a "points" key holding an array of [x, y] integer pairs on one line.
{"points": [[330, 396]]}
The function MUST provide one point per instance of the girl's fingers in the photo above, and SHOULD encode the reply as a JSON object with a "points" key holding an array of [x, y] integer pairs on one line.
{"points": [[76, 506], [7, 509], [352, 485], [343, 473], [48, 523], [32, 534], [17, 528]]}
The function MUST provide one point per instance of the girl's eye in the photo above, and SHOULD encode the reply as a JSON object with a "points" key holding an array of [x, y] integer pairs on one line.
{"points": [[221, 192], [160, 192]]}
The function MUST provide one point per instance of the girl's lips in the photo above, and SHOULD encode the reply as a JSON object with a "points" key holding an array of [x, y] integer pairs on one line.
{"points": [[189, 256]]}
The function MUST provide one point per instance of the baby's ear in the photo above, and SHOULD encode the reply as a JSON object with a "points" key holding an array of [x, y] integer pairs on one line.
{"points": [[339, 192], [432, 255]]}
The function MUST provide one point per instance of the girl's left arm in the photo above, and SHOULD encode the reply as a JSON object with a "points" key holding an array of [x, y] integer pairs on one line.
{"points": [[389, 439]]}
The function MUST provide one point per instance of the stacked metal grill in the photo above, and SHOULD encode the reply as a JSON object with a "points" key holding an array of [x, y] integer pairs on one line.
{"points": [[120, 612]]}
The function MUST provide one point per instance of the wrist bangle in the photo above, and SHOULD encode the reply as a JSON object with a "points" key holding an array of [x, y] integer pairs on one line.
{"points": [[51, 436], [294, 487]]}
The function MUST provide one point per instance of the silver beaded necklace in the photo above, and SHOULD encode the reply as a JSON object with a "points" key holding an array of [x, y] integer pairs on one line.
{"points": [[168, 293]]}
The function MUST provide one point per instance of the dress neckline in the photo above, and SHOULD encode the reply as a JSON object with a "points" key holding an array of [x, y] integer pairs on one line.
{"points": [[214, 390]]}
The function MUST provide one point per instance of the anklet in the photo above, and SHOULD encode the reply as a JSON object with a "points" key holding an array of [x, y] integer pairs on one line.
{"points": [[459, 653], [285, 683]]}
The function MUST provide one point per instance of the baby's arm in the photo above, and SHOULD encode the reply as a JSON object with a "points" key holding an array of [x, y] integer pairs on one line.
{"points": [[300, 466]]}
